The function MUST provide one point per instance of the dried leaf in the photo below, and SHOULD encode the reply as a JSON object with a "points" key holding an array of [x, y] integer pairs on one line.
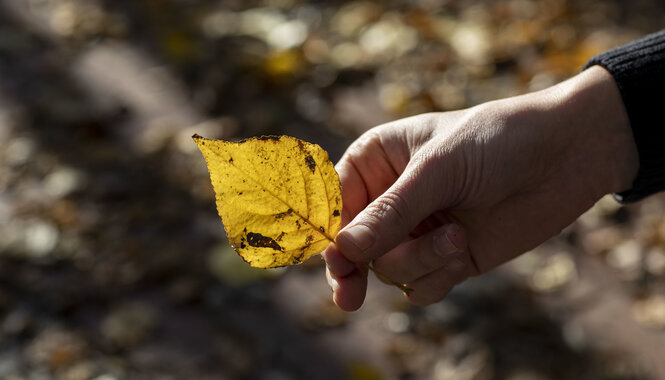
{"points": [[279, 197]]}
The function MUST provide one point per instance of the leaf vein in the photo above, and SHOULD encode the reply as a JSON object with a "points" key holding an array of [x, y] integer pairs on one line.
{"points": [[325, 190], [259, 184]]}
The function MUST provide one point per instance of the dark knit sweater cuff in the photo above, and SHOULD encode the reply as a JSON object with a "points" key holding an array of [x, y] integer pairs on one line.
{"points": [[639, 71]]}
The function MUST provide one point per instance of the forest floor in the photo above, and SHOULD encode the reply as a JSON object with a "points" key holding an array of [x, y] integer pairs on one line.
{"points": [[114, 263]]}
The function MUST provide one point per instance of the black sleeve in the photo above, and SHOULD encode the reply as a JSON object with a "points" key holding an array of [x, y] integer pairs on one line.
{"points": [[639, 71]]}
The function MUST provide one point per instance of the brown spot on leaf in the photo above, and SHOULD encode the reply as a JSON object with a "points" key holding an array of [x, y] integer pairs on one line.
{"points": [[298, 259], [311, 164], [257, 240], [281, 235], [309, 239], [283, 214], [322, 229], [336, 213]]}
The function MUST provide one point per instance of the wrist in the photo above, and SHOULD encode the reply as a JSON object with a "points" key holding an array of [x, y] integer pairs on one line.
{"points": [[602, 142]]}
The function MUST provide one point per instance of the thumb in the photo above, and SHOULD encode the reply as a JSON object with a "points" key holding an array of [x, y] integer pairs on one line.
{"points": [[388, 220]]}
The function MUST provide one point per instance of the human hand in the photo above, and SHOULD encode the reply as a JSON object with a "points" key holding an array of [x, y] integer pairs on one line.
{"points": [[433, 199]]}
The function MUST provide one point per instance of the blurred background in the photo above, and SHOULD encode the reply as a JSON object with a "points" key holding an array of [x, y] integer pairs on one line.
{"points": [[113, 261]]}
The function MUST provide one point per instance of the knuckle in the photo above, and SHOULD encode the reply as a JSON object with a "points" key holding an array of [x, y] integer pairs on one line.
{"points": [[393, 207], [364, 143]]}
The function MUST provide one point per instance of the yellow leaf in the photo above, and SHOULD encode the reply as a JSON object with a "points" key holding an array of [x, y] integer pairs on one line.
{"points": [[279, 197]]}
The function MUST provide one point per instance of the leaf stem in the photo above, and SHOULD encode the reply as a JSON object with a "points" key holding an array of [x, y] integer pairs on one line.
{"points": [[389, 280]]}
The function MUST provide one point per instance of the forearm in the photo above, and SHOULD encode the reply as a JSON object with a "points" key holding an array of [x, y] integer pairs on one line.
{"points": [[638, 69]]}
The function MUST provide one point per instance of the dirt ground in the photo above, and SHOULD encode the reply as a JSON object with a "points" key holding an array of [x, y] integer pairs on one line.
{"points": [[114, 263]]}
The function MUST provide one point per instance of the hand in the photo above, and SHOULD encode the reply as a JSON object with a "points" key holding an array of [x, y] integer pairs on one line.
{"points": [[436, 198]]}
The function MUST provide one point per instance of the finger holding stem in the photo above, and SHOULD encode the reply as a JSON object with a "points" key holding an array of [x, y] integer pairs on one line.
{"points": [[389, 280], [341, 267]]}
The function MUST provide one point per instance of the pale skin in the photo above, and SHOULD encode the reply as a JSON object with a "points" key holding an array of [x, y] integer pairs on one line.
{"points": [[434, 199]]}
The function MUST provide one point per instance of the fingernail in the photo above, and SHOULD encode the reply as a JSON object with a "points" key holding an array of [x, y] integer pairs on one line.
{"points": [[333, 284], [361, 236], [331, 281], [443, 244]]}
